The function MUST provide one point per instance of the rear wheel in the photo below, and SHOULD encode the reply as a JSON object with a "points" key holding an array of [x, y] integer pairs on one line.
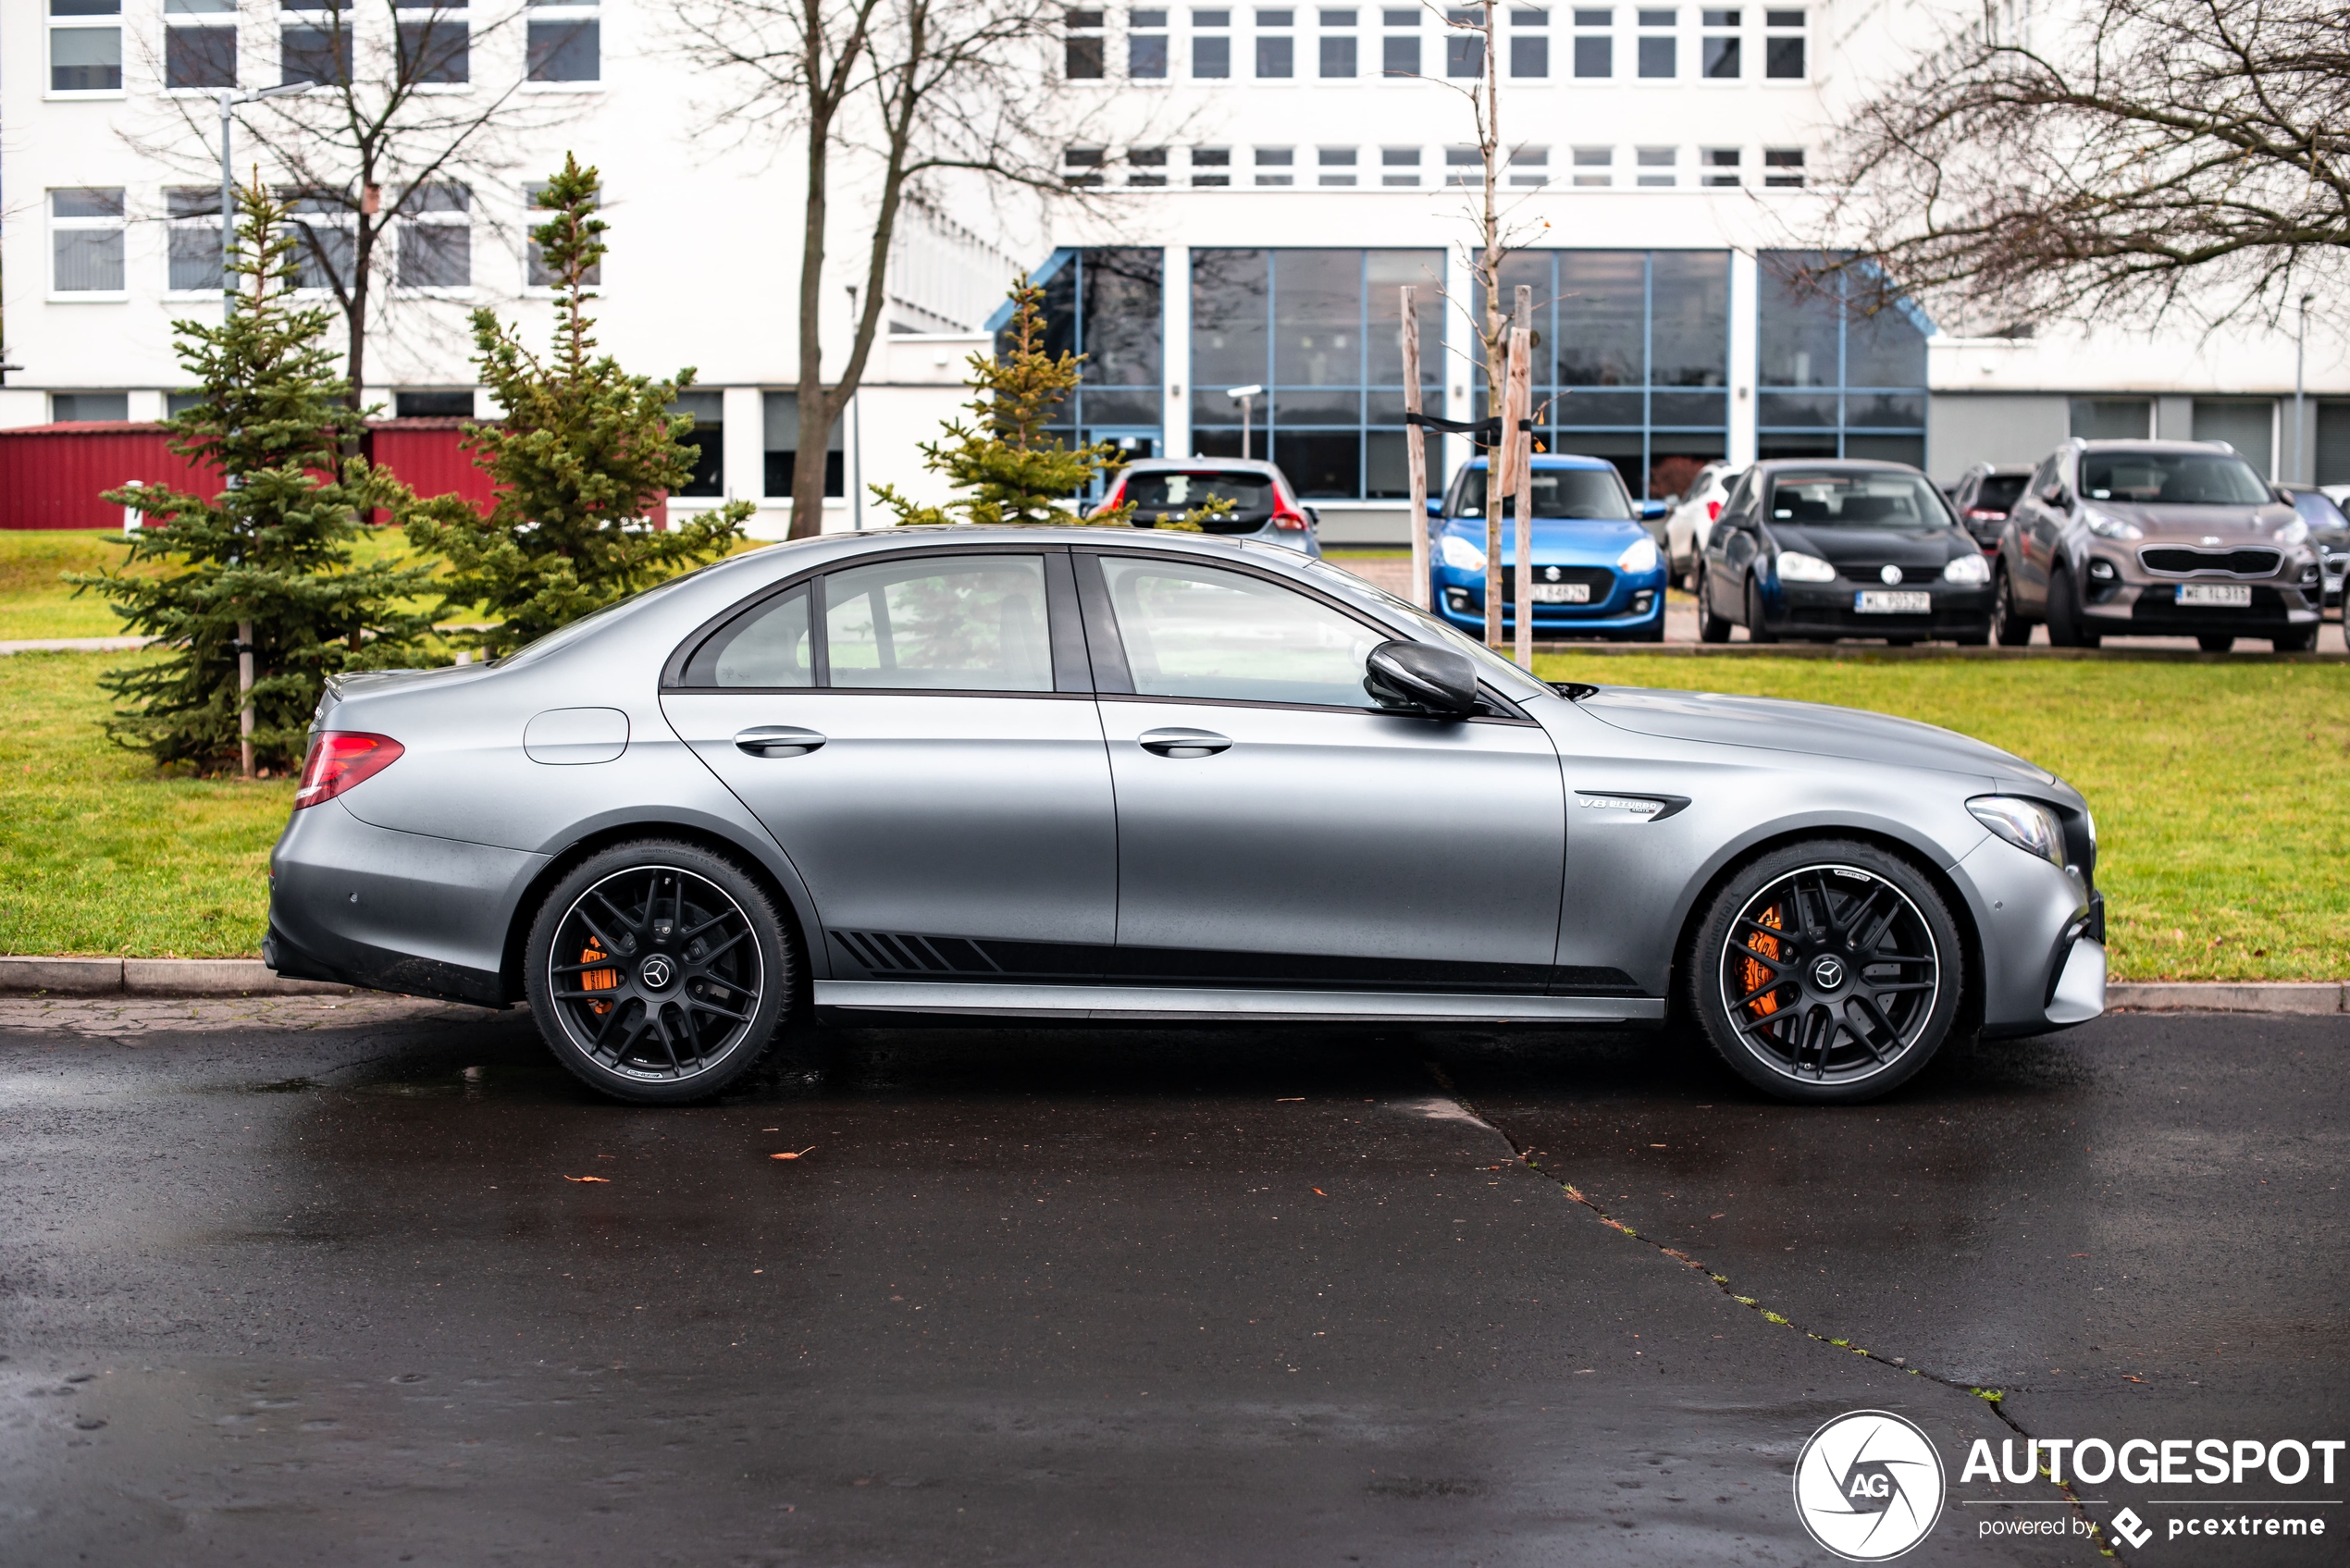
{"points": [[658, 972], [2010, 627], [1827, 972], [1710, 627], [1755, 630]]}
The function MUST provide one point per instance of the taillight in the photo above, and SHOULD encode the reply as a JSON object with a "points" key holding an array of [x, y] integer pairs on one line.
{"points": [[339, 758], [1117, 497], [1285, 518], [1984, 514], [1714, 511]]}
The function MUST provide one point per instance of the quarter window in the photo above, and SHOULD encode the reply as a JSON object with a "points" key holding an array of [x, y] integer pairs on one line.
{"points": [[766, 646], [939, 624], [85, 228], [1204, 633]]}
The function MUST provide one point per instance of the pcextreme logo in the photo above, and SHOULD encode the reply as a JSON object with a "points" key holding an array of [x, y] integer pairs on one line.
{"points": [[1868, 1486]]}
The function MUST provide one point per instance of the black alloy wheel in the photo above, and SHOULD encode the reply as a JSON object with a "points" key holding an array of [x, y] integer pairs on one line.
{"points": [[2064, 613], [1710, 627], [1755, 630], [658, 972], [1827, 972], [2010, 627]]}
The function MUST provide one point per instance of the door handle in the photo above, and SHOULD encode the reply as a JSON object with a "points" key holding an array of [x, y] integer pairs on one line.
{"points": [[777, 740], [1182, 743]]}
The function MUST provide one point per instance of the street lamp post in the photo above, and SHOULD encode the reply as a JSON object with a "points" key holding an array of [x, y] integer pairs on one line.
{"points": [[230, 98], [1245, 395]]}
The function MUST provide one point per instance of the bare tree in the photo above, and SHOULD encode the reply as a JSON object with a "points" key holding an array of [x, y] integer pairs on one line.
{"points": [[888, 97], [2126, 156], [395, 129]]}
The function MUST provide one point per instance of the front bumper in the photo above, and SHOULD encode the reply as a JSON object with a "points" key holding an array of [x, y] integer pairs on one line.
{"points": [[1827, 609], [2042, 940], [2141, 607], [1630, 604]]}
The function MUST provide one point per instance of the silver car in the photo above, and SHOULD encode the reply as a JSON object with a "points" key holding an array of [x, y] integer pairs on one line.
{"points": [[1260, 501], [1031, 773]]}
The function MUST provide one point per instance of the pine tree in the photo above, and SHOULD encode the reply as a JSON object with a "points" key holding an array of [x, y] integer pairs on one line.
{"points": [[268, 560], [1009, 469], [583, 455]]}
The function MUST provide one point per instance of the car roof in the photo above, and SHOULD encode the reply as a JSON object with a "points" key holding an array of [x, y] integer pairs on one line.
{"points": [[2146, 444], [1555, 460], [1771, 465]]}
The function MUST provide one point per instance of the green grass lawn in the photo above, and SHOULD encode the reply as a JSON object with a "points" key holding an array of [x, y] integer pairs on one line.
{"points": [[2222, 791], [33, 603]]}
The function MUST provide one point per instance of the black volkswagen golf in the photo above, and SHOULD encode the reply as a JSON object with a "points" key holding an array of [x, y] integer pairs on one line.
{"points": [[1825, 549]]}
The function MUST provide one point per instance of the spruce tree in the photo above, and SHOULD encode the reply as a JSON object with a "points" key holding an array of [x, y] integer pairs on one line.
{"points": [[268, 559], [583, 455]]}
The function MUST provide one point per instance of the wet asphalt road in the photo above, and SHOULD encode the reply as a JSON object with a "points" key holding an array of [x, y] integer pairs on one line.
{"points": [[297, 1284]]}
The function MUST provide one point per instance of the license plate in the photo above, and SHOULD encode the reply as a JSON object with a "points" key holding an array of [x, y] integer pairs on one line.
{"points": [[2232, 596], [1890, 601], [1561, 593]]}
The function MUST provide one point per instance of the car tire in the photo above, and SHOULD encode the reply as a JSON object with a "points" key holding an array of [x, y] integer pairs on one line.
{"points": [[2215, 642], [1710, 627], [642, 1029], [2302, 641], [1755, 630], [2010, 627], [1773, 982], [2064, 614]]}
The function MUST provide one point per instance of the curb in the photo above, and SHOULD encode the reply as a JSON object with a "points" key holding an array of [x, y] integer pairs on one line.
{"points": [[155, 977], [248, 977]]}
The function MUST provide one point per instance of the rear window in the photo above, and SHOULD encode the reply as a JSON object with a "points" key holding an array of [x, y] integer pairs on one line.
{"points": [[1160, 495], [1558, 492], [2000, 492], [1857, 500]]}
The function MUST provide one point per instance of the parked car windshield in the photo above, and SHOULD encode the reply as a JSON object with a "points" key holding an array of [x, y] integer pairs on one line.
{"points": [[1857, 500], [2000, 492], [2319, 510], [1558, 492], [1160, 494], [2172, 478]]}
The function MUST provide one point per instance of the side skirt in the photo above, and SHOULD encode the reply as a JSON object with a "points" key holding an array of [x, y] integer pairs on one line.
{"points": [[1115, 1002]]}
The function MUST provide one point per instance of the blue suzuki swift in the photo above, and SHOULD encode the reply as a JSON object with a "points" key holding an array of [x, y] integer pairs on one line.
{"points": [[1597, 571]]}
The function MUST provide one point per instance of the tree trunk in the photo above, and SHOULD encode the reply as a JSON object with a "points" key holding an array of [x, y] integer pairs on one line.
{"points": [[815, 413]]}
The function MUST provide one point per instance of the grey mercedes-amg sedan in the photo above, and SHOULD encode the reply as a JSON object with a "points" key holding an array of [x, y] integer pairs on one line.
{"points": [[1082, 773]]}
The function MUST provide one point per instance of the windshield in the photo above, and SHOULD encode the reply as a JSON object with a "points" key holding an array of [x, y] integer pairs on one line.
{"points": [[1857, 500], [1158, 495], [2317, 510], [1558, 492], [2000, 492], [2172, 478]]}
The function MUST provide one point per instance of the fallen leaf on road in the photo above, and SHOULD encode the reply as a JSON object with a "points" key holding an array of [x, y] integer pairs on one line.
{"points": [[605, 1180], [1319, 1193], [1724, 1212], [2127, 1378], [1291, 1100], [787, 1154]]}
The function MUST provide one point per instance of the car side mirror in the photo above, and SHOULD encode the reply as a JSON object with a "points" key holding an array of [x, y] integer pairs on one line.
{"points": [[1653, 510], [2056, 496], [1436, 506], [1413, 677]]}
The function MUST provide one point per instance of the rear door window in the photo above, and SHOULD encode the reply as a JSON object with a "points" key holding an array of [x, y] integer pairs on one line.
{"points": [[973, 622]]}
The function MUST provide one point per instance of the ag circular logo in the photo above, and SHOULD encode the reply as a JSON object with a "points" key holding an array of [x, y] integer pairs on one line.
{"points": [[1868, 1486], [655, 973]]}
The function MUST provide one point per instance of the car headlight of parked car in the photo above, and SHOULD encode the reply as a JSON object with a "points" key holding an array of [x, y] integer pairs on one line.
{"points": [[1968, 568], [1461, 555], [1639, 556], [2106, 527], [2027, 824], [1797, 567], [2293, 532]]}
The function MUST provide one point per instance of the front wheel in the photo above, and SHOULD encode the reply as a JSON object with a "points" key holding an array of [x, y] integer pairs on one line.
{"points": [[658, 972], [1827, 973], [2010, 627], [2065, 629], [1755, 630]]}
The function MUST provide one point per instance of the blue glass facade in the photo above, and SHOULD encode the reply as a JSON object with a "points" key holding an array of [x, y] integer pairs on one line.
{"points": [[1835, 378]]}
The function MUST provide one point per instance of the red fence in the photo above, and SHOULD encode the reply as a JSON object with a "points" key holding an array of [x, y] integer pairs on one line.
{"points": [[52, 475]]}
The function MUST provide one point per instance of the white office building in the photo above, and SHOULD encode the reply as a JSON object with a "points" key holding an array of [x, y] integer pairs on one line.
{"points": [[1260, 181]]}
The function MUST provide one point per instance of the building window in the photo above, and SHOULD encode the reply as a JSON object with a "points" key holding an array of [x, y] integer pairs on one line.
{"points": [[1531, 165], [1464, 48], [322, 224], [1273, 158], [1719, 58], [200, 43], [535, 273], [1655, 166], [1399, 49], [1659, 58], [85, 236], [1148, 165], [1835, 382], [1783, 46], [1211, 165], [1399, 165], [437, 52], [708, 436], [436, 239], [2112, 419], [1783, 167], [1337, 48], [1211, 50], [192, 237], [90, 408], [443, 403], [1276, 52], [1633, 357], [1146, 45], [317, 50], [1594, 43], [780, 414], [1106, 304], [1594, 165], [1337, 165], [564, 41], [1081, 48], [2248, 425], [1081, 167], [84, 57], [1717, 166], [1530, 47], [1464, 166], [1319, 329]]}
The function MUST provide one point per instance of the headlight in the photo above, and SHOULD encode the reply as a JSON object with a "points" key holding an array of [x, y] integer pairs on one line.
{"points": [[1968, 568], [1797, 567], [1461, 555], [1639, 557], [2293, 532], [2106, 527], [2027, 824]]}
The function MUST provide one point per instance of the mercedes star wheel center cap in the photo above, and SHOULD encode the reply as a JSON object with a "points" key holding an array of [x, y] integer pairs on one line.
{"points": [[655, 972], [1827, 972]]}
